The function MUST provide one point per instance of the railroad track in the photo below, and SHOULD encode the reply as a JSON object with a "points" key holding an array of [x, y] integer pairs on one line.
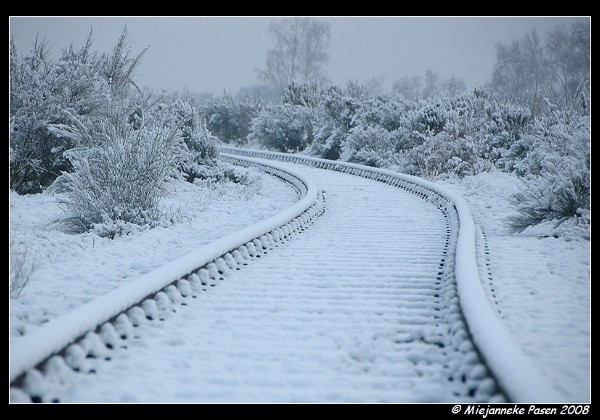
{"points": [[382, 302]]}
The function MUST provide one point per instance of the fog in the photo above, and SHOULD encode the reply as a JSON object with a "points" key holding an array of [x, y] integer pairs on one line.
{"points": [[213, 54]]}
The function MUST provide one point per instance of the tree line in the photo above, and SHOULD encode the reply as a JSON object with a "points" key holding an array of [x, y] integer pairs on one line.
{"points": [[80, 125]]}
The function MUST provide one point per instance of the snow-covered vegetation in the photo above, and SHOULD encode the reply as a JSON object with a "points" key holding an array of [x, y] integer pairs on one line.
{"points": [[80, 125], [443, 137], [82, 130], [109, 181], [542, 136]]}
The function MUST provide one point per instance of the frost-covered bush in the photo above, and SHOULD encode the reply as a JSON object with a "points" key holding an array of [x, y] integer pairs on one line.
{"points": [[557, 165], [461, 135], [199, 147], [289, 126], [376, 138], [555, 197], [284, 128], [225, 178], [230, 119], [118, 66], [550, 140], [374, 146], [337, 111], [119, 179], [41, 89], [303, 94]]}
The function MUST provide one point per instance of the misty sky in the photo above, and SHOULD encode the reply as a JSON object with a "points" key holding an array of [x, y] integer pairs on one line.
{"points": [[216, 53]]}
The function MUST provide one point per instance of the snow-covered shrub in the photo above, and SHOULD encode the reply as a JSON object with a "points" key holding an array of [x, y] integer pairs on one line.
{"points": [[376, 138], [119, 179], [551, 139], [374, 146], [118, 67], [554, 197], [558, 166], [230, 119], [42, 89], [303, 94], [200, 147], [289, 126], [284, 128], [244, 183], [461, 135], [337, 111]]}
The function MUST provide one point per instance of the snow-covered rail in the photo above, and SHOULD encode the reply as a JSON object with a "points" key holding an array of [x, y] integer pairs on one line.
{"points": [[516, 377], [103, 322], [383, 302]]}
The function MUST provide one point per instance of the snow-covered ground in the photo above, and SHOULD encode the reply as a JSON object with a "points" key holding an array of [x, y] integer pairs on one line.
{"points": [[355, 309], [74, 269], [542, 286]]}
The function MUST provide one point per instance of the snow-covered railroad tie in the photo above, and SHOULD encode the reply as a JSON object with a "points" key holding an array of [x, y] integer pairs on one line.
{"points": [[41, 361]]}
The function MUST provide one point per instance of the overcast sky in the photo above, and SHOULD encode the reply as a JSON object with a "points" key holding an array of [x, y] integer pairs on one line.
{"points": [[216, 53]]}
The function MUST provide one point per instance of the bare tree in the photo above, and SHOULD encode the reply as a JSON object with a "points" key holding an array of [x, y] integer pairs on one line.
{"points": [[522, 71], [529, 72], [300, 52], [454, 85], [569, 55], [427, 86], [408, 87], [432, 84]]}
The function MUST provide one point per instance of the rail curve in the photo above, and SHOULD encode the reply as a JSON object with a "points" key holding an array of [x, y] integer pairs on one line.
{"points": [[514, 374], [104, 319], [492, 368]]}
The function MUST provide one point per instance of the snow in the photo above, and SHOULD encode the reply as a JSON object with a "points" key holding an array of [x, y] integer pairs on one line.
{"points": [[516, 374], [541, 287], [52, 337], [535, 336], [348, 311], [75, 269]]}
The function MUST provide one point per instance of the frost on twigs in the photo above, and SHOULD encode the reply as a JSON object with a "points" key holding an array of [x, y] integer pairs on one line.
{"points": [[80, 81], [558, 198], [119, 178]]}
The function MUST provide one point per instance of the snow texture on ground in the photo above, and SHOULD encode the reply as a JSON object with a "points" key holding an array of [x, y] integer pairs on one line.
{"points": [[74, 269], [349, 311], [541, 290], [541, 284]]}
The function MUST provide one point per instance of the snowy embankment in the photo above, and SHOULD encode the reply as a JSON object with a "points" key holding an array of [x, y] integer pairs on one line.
{"points": [[360, 307], [541, 286], [75, 269], [32, 349]]}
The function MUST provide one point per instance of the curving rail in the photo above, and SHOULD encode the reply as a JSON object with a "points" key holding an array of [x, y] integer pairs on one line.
{"points": [[517, 378], [105, 321], [109, 318]]}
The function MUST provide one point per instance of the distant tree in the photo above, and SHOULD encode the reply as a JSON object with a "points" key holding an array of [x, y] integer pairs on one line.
{"points": [[408, 87], [428, 86], [432, 84], [569, 56], [454, 86], [300, 52], [522, 72], [532, 73]]}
